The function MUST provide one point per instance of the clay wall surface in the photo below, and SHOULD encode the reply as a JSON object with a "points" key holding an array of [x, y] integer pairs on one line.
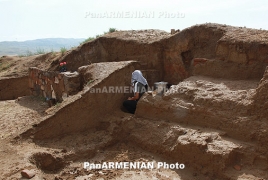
{"points": [[242, 50], [12, 88], [261, 98], [86, 109], [225, 52]]}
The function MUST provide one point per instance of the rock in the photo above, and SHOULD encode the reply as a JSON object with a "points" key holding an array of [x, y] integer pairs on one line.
{"points": [[199, 61], [64, 151], [57, 178], [237, 167], [72, 82], [27, 173]]}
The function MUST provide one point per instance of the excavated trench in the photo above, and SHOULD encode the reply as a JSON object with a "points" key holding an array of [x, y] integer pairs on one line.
{"points": [[195, 123], [212, 119]]}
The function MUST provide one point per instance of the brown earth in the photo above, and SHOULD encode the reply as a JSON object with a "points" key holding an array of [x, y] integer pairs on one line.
{"points": [[213, 119]]}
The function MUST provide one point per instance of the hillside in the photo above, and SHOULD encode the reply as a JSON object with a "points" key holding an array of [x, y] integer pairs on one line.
{"points": [[38, 45]]}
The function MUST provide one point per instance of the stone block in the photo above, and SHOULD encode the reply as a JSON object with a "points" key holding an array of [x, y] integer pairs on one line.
{"points": [[27, 173], [72, 82]]}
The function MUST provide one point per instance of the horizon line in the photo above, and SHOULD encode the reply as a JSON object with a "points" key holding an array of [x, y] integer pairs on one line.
{"points": [[38, 39]]}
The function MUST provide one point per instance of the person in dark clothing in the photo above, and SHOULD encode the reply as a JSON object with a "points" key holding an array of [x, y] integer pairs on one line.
{"points": [[63, 67], [140, 87]]}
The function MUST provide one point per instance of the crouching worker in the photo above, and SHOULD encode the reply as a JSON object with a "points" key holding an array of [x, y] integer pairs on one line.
{"points": [[140, 86]]}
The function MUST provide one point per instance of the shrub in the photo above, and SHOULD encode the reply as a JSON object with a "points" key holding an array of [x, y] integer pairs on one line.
{"points": [[28, 53], [63, 50], [40, 51], [87, 40], [98, 35], [112, 30]]}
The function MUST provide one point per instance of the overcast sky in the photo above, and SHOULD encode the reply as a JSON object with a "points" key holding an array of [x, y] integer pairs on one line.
{"points": [[33, 19]]}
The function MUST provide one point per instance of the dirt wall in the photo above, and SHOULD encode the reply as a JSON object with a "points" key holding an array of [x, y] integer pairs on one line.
{"points": [[12, 88], [111, 49], [227, 69], [229, 53], [226, 105], [181, 48], [245, 50], [119, 46], [203, 151], [86, 109], [261, 98]]}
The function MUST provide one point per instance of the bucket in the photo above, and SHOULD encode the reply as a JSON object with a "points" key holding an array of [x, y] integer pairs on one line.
{"points": [[160, 87]]}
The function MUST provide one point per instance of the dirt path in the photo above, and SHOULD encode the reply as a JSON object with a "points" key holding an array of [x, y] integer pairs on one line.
{"points": [[17, 116], [20, 114]]}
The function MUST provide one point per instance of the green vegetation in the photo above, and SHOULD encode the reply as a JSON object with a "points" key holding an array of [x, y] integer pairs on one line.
{"points": [[98, 35], [40, 51], [112, 30], [4, 66], [90, 81], [28, 53], [63, 50], [87, 40]]}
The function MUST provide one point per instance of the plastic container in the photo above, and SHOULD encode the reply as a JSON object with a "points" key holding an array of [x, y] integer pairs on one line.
{"points": [[160, 87]]}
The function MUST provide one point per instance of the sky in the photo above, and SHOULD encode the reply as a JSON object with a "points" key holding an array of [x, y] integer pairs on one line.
{"points": [[35, 19]]}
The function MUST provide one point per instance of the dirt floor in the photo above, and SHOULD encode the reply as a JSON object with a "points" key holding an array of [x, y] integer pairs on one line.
{"points": [[94, 146], [63, 157]]}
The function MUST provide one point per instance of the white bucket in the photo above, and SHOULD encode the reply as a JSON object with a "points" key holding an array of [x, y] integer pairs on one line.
{"points": [[160, 87]]}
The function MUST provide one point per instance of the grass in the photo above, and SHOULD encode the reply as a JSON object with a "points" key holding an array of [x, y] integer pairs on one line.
{"points": [[29, 53], [98, 35], [90, 81], [63, 50], [87, 40], [4, 66], [40, 51], [53, 52]]}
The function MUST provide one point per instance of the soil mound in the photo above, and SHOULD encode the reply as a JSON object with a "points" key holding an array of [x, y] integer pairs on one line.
{"points": [[47, 162]]}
